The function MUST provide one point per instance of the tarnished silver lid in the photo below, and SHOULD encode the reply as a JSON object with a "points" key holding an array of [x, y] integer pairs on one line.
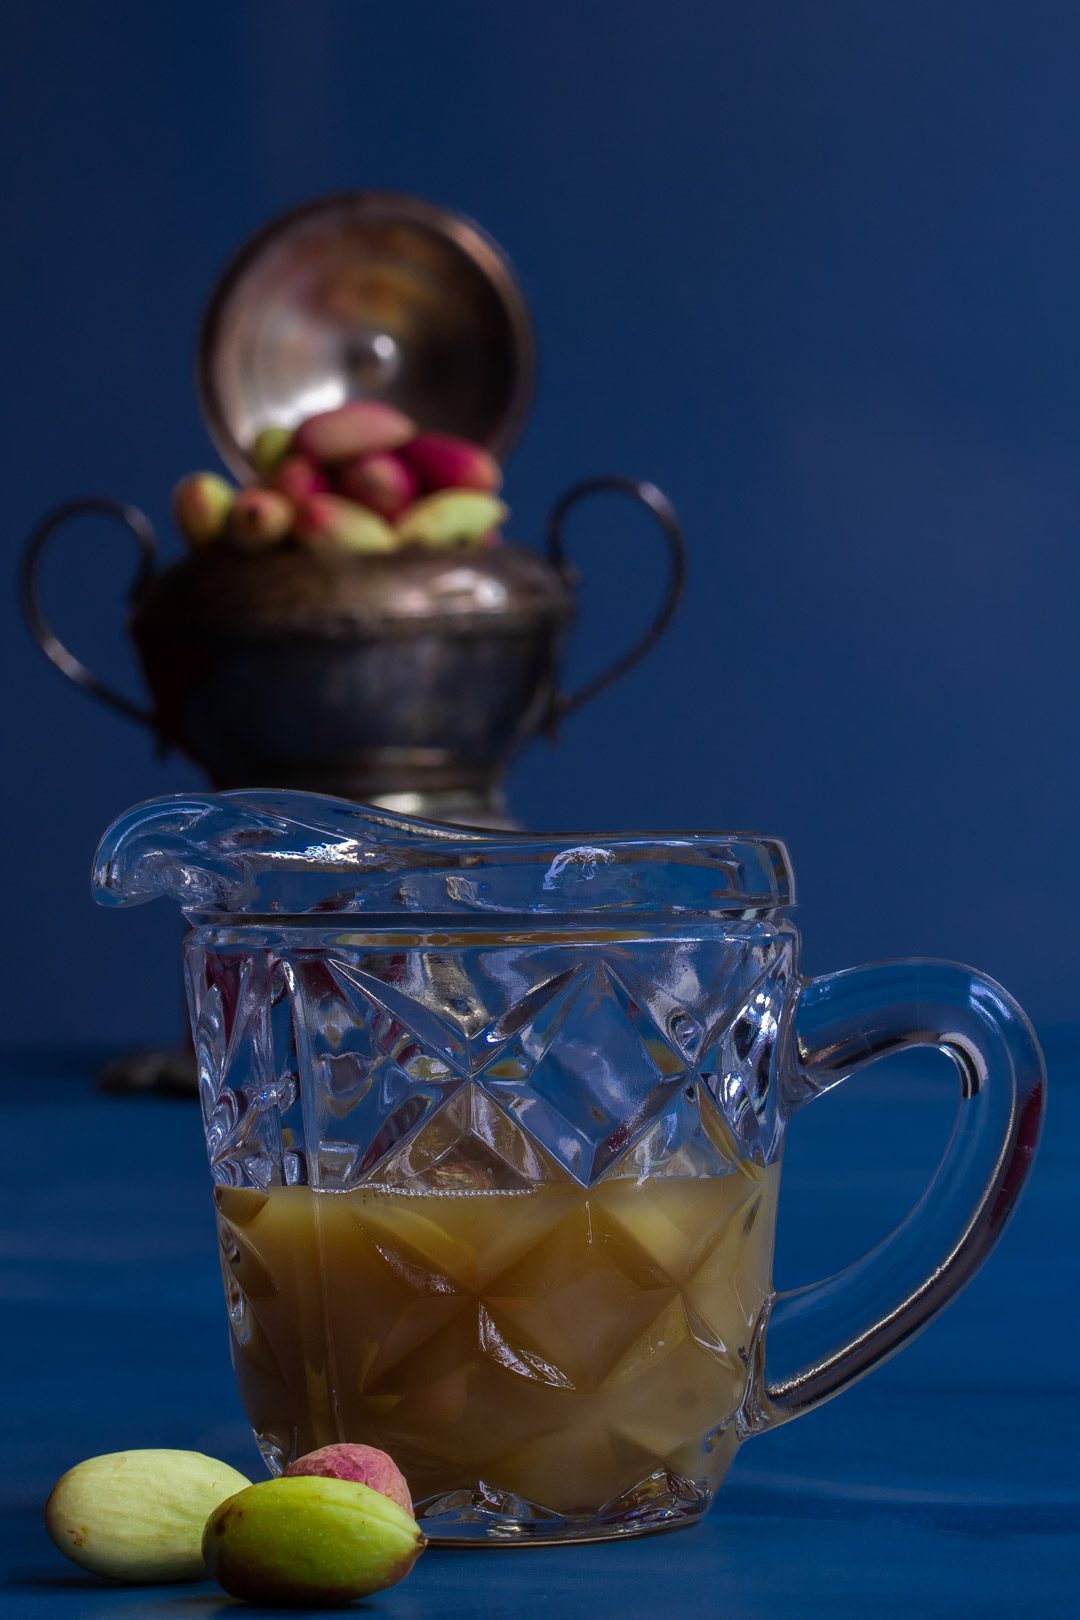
{"points": [[366, 295]]}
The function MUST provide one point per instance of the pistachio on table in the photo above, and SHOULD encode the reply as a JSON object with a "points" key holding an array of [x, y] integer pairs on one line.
{"points": [[339, 1525], [139, 1515], [309, 1540], [366, 1465]]}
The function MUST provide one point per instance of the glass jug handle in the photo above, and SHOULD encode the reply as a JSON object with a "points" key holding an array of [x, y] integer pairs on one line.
{"points": [[563, 703], [823, 1337], [43, 633]]}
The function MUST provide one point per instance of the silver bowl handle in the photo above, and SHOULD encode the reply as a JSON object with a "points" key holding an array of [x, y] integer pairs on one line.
{"points": [[564, 703], [47, 639]]}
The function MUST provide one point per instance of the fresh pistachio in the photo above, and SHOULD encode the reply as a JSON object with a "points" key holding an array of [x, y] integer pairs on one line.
{"points": [[309, 1542], [450, 517], [271, 447], [201, 507], [139, 1515], [366, 1464], [331, 525]]}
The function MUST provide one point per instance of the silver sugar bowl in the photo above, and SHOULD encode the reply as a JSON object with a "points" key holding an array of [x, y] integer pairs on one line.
{"points": [[407, 680]]}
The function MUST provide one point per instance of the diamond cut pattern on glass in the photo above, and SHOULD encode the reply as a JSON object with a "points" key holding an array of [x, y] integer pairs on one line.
{"points": [[423, 1043], [515, 1205], [595, 1065], [469, 1145], [601, 1068], [739, 1061], [562, 1344]]}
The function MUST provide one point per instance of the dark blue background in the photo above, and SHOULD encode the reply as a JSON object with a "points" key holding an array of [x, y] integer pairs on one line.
{"points": [[813, 268]]}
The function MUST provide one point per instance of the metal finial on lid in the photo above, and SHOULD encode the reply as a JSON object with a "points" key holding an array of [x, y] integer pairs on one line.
{"points": [[370, 295]]}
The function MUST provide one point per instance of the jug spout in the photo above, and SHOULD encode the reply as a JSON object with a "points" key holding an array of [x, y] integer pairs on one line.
{"points": [[157, 849], [254, 852]]}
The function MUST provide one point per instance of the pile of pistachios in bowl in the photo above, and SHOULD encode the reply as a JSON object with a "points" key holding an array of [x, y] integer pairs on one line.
{"points": [[360, 479], [336, 1526]]}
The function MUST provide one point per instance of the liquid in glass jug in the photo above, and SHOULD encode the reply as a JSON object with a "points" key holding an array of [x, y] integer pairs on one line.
{"points": [[495, 1125]]}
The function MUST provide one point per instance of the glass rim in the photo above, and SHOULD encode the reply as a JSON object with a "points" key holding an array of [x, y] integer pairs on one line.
{"points": [[274, 853]]}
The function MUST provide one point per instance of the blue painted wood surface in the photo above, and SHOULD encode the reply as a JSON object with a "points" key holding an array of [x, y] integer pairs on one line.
{"points": [[946, 1484]]}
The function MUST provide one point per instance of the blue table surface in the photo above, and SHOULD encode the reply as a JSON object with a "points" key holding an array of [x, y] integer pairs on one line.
{"points": [[945, 1484]]}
